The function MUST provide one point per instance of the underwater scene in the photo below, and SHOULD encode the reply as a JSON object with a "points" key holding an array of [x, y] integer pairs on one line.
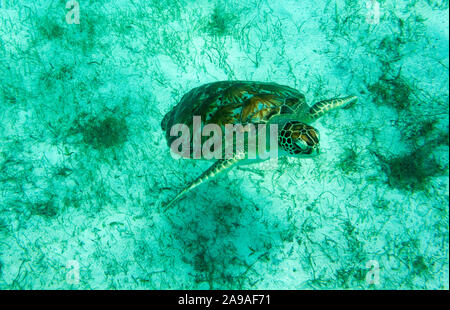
{"points": [[92, 195]]}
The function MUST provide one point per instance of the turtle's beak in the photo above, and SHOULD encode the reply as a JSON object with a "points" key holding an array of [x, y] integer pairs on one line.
{"points": [[316, 151]]}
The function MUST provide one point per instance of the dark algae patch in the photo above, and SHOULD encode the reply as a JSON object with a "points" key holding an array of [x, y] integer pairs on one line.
{"points": [[102, 132], [412, 170]]}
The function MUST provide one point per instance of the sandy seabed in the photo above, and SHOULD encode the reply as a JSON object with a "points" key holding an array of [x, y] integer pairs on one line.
{"points": [[84, 164]]}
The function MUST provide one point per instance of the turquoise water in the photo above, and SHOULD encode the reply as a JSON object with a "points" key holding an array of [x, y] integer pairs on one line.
{"points": [[85, 168]]}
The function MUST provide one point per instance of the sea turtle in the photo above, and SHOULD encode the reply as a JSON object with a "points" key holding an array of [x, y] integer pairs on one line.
{"points": [[250, 102]]}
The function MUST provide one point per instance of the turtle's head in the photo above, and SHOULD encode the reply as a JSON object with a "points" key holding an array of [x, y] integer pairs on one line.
{"points": [[299, 139]]}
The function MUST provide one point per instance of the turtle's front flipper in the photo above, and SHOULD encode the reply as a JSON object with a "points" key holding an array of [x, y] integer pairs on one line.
{"points": [[218, 167], [321, 107]]}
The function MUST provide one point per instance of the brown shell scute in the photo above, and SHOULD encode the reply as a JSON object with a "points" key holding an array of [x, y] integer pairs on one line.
{"points": [[260, 108], [227, 114], [234, 102], [237, 93]]}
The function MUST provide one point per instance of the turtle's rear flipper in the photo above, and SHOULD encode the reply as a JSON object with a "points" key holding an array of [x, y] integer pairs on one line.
{"points": [[321, 107], [218, 167]]}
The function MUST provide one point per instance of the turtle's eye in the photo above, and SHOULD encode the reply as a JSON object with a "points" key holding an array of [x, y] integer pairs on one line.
{"points": [[301, 145], [299, 139]]}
